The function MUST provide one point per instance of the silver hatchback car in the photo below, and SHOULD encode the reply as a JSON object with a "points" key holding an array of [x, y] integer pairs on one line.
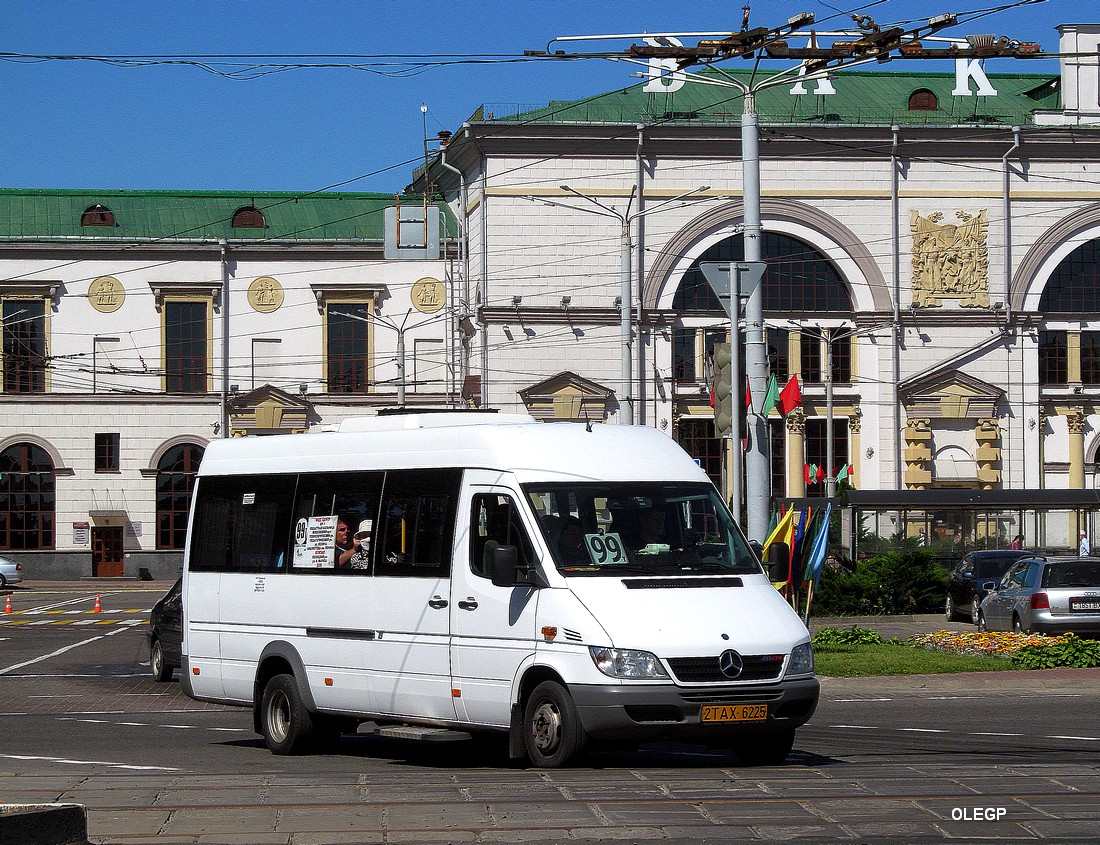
{"points": [[1057, 595], [11, 572]]}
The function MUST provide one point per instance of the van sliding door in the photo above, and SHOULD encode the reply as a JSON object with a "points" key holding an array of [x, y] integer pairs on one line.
{"points": [[412, 568]]}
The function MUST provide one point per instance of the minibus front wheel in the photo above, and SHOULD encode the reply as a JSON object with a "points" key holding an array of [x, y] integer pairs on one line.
{"points": [[284, 720], [552, 731]]}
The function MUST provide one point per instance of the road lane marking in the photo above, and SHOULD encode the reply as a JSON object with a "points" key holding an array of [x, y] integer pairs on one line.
{"points": [[962, 733], [60, 651], [89, 763], [1084, 738]]}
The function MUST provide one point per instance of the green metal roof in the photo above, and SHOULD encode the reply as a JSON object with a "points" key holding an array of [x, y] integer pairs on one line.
{"points": [[27, 215], [861, 98]]}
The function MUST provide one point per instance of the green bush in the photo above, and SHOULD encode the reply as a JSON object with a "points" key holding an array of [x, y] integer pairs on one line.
{"points": [[906, 581], [1071, 651], [831, 637]]}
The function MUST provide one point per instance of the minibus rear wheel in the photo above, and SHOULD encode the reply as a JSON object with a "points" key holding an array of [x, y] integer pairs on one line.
{"points": [[552, 731], [287, 725]]}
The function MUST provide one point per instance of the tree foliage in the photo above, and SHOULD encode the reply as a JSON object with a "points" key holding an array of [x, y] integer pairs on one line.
{"points": [[900, 581]]}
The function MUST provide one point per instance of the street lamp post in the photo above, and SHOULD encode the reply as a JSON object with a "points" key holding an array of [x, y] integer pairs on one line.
{"points": [[626, 248], [98, 339], [872, 45], [400, 329]]}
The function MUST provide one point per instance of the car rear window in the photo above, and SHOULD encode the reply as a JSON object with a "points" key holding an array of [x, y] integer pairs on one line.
{"points": [[1085, 574]]}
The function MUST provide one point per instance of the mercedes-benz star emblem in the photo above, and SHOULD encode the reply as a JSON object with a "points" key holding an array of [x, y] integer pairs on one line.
{"points": [[730, 663]]}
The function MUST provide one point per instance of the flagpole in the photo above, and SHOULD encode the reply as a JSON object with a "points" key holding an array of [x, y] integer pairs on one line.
{"points": [[830, 478]]}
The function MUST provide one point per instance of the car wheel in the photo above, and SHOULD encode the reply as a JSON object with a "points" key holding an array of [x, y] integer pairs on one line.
{"points": [[158, 666], [3, 581], [552, 732], [1017, 625], [767, 750], [981, 622], [949, 609], [286, 725], [974, 612]]}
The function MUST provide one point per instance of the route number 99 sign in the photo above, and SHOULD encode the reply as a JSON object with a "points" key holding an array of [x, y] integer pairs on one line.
{"points": [[605, 548]]}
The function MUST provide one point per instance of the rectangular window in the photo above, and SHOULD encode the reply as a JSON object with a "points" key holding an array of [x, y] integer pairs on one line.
{"points": [[816, 441], [683, 355], [777, 431], [107, 452], [242, 524], [840, 344], [1090, 358], [777, 354], [347, 355], [696, 437], [335, 519], [810, 356], [418, 522], [185, 346], [1053, 358], [24, 345], [496, 522]]}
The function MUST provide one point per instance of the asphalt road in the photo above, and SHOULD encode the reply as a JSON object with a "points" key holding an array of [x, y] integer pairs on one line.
{"points": [[1005, 756]]}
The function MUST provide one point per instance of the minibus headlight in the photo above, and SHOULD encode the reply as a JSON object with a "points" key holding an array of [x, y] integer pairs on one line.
{"points": [[802, 660], [627, 663]]}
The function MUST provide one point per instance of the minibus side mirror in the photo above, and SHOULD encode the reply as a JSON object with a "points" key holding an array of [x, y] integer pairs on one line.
{"points": [[505, 566], [779, 562], [507, 571], [757, 549]]}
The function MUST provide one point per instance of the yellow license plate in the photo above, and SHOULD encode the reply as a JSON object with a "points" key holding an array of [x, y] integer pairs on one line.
{"points": [[733, 713]]}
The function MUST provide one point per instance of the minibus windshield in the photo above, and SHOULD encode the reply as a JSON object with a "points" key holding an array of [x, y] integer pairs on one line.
{"points": [[646, 528]]}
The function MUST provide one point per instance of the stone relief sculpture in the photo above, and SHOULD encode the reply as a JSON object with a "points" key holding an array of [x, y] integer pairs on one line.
{"points": [[950, 261]]}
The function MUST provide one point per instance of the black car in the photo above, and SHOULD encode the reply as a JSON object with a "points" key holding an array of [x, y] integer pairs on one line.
{"points": [[166, 633], [969, 580]]}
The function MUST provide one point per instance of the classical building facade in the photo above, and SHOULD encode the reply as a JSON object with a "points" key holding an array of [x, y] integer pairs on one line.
{"points": [[932, 243], [139, 325]]}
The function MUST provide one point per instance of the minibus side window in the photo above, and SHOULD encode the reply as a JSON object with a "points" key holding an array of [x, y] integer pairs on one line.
{"points": [[241, 524], [418, 522], [495, 522], [331, 510]]}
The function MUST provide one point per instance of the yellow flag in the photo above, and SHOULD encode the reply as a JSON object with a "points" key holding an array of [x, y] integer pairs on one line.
{"points": [[781, 533]]}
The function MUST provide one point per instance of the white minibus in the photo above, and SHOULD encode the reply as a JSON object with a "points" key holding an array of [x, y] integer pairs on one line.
{"points": [[566, 585]]}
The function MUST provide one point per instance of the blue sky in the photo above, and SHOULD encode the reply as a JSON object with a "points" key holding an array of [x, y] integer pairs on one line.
{"points": [[88, 124]]}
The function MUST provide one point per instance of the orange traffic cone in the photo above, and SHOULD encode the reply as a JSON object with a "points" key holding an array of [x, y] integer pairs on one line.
{"points": [[97, 608], [7, 604]]}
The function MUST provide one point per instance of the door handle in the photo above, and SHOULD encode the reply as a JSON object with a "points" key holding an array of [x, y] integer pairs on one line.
{"points": [[469, 604], [438, 602]]}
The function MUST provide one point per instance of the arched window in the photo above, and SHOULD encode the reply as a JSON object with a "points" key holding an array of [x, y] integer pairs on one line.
{"points": [[27, 498], [248, 217], [923, 100], [175, 481], [799, 278], [1075, 284], [801, 286], [97, 215]]}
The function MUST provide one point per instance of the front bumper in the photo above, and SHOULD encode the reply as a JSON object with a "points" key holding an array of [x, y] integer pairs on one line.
{"points": [[646, 712]]}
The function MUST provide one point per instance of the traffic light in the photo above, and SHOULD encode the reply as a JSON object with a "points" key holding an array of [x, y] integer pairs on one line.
{"points": [[723, 391]]}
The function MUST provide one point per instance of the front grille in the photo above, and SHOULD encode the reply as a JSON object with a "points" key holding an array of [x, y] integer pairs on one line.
{"points": [[731, 696], [705, 670]]}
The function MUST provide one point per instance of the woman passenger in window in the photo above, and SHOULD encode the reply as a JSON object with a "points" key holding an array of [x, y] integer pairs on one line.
{"points": [[360, 554]]}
